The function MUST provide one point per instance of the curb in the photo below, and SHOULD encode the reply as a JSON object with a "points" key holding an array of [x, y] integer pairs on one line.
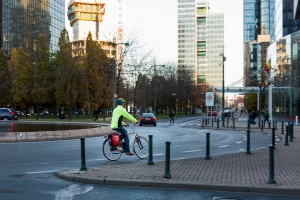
{"points": [[165, 183]]}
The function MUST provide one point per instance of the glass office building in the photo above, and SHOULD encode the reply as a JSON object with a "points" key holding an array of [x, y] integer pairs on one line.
{"points": [[23, 21], [200, 41], [259, 19]]}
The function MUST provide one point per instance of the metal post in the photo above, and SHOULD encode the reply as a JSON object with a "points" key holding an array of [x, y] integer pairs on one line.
{"points": [[233, 123], [248, 125], [83, 166], [227, 121], [271, 179], [212, 122], [287, 136], [167, 162], [205, 121], [202, 122], [150, 158], [248, 142], [290, 132], [218, 121], [293, 131], [207, 147], [262, 125], [273, 137], [282, 127], [223, 118]]}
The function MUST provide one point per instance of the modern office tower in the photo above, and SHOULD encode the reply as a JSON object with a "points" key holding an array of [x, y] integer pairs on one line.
{"points": [[259, 19], [200, 41], [86, 16], [255, 59], [285, 22], [23, 21]]}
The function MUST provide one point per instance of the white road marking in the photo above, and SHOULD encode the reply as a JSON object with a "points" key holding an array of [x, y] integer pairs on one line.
{"points": [[158, 154], [193, 150], [242, 149], [40, 172], [239, 142], [224, 146]]}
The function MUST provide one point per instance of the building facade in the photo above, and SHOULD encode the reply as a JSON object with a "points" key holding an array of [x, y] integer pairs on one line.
{"points": [[86, 16], [259, 19], [200, 41], [23, 21]]}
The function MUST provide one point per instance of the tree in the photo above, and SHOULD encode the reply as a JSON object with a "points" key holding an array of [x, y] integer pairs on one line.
{"points": [[67, 75], [41, 74], [22, 79], [5, 83]]}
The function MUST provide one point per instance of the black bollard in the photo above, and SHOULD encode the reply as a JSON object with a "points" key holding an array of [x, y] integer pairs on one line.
{"points": [[212, 122], [273, 137], [282, 127], [218, 121], [205, 121], [167, 162], [293, 131], [287, 136], [233, 123], [227, 121], [202, 122], [83, 166], [150, 158], [223, 118], [248, 142], [271, 179], [208, 121], [290, 132], [262, 125], [248, 125], [207, 147]]}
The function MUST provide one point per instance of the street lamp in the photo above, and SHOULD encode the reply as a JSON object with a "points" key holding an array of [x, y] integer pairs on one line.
{"points": [[114, 85], [223, 103], [154, 96]]}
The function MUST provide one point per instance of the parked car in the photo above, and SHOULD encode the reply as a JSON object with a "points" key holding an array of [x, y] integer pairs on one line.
{"points": [[147, 118], [214, 113], [227, 112], [8, 114]]}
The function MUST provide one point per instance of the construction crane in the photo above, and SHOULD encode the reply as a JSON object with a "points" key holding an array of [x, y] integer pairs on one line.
{"points": [[120, 37]]}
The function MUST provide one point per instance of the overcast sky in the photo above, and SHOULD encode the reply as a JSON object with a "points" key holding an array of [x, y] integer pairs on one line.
{"points": [[155, 23]]}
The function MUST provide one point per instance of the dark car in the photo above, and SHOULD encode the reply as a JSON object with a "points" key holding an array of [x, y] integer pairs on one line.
{"points": [[8, 114], [147, 118]]}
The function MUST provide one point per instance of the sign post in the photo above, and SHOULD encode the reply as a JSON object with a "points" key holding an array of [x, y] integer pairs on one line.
{"points": [[209, 101]]}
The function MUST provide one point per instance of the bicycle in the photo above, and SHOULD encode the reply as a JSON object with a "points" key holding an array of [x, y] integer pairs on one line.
{"points": [[140, 146]]}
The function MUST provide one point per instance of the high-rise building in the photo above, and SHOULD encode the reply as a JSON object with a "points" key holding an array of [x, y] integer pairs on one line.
{"points": [[259, 19], [86, 16], [200, 41], [285, 22], [23, 21]]}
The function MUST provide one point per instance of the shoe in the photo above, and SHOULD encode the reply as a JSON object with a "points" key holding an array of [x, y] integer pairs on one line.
{"points": [[129, 153]]}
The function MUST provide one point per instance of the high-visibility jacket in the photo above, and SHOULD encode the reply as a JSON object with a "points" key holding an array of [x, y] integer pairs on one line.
{"points": [[117, 117]]}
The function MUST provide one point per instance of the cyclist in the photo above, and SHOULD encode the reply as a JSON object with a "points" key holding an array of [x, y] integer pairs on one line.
{"points": [[117, 123]]}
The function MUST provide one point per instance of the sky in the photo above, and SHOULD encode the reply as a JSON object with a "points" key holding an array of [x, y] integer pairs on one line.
{"points": [[154, 22]]}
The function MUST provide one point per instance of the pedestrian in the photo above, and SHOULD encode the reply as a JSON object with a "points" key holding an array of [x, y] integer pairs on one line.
{"points": [[241, 112], [172, 115], [254, 115], [266, 117], [118, 114]]}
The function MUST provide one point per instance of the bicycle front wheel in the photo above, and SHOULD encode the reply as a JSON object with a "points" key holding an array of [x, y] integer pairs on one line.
{"points": [[141, 147], [111, 153]]}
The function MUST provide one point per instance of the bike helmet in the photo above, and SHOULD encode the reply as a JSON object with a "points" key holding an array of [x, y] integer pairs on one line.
{"points": [[120, 101]]}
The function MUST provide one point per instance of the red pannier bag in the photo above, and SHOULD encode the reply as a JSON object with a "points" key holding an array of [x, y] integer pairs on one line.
{"points": [[115, 139]]}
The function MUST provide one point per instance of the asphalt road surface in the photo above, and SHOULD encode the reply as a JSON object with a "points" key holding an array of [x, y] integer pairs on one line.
{"points": [[27, 170]]}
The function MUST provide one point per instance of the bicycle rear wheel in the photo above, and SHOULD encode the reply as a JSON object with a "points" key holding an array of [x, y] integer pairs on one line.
{"points": [[141, 147], [111, 153]]}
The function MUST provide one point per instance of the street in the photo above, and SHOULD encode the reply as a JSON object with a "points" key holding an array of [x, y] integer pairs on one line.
{"points": [[27, 169]]}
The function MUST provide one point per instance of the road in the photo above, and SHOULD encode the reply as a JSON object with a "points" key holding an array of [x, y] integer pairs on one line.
{"points": [[27, 169]]}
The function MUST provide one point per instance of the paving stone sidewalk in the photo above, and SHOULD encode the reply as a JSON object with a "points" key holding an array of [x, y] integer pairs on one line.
{"points": [[234, 172]]}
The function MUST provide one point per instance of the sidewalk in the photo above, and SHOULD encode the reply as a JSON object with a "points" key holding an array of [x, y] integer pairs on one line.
{"points": [[235, 172]]}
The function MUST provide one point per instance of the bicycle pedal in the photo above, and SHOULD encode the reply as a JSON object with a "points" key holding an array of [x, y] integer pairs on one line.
{"points": [[120, 149]]}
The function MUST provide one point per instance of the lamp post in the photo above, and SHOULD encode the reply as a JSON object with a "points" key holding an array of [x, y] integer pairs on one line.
{"points": [[114, 84], [223, 103], [154, 96]]}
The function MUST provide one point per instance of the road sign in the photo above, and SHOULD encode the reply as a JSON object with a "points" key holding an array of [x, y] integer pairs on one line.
{"points": [[209, 99]]}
